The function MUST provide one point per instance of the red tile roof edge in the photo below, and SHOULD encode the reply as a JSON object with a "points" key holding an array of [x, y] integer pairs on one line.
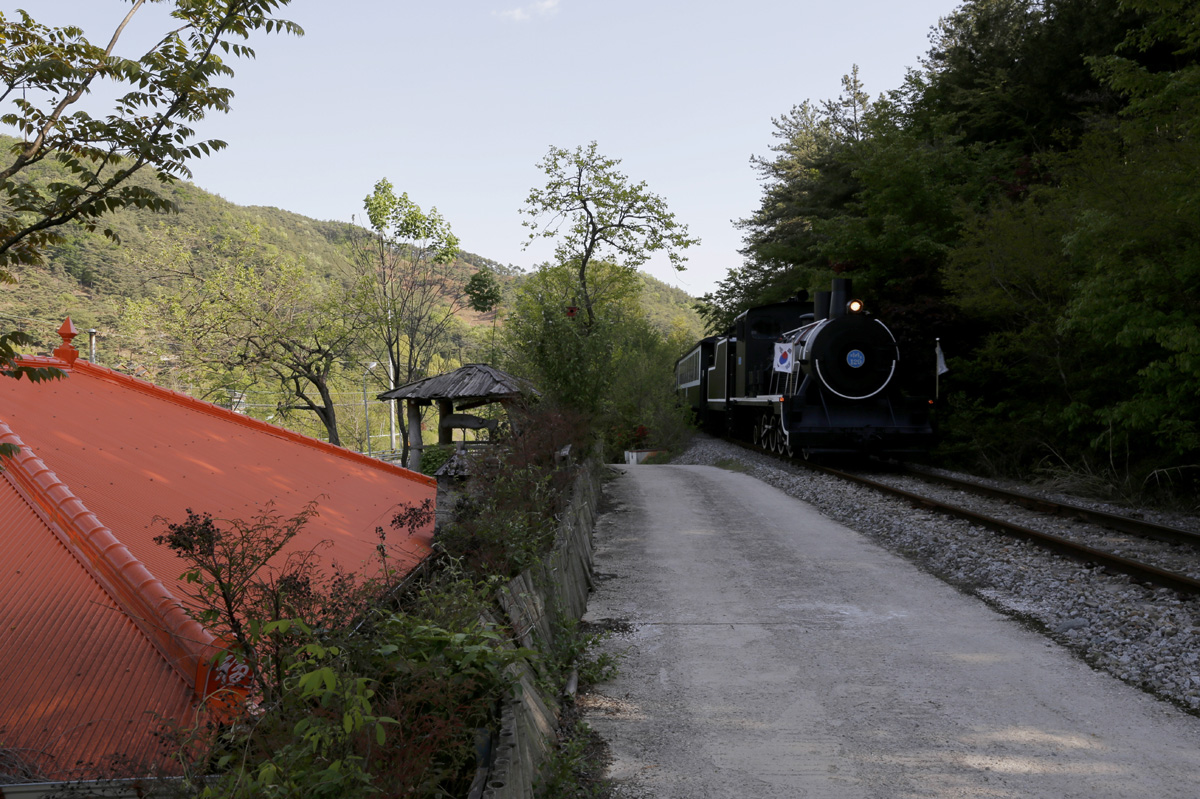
{"points": [[182, 640], [137, 384]]}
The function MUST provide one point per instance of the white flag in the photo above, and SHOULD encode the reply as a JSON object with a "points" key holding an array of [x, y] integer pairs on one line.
{"points": [[783, 358], [941, 360]]}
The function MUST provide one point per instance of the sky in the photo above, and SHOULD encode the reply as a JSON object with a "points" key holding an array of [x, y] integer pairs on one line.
{"points": [[455, 102]]}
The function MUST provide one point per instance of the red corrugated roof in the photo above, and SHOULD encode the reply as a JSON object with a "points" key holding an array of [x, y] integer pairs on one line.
{"points": [[103, 456], [79, 681]]}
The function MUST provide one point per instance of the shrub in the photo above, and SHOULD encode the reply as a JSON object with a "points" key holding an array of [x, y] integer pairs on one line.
{"points": [[507, 518], [433, 458], [352, 695]]}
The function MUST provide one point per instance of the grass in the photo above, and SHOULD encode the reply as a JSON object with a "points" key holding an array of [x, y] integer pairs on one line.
{"points": [[732, 464]]}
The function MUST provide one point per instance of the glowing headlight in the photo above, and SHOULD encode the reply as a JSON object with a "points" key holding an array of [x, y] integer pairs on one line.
{"points": [[854, 306]]}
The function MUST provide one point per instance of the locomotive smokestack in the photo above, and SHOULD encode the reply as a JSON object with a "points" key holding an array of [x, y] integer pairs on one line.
{"points": [[839, 297], [821, 306]]}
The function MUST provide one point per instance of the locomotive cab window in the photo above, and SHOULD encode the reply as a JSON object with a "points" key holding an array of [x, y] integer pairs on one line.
{"points": [[766, 328]]}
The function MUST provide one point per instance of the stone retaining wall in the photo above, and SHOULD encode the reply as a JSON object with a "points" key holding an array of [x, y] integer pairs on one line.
{"points": [[559, 585]]}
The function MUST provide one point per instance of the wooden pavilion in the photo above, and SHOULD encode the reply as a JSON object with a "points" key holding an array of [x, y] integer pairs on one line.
{"points": [[468, 387]]}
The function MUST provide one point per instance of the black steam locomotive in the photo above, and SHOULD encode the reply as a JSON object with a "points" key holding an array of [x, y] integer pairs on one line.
{"points": [[807, 378]]}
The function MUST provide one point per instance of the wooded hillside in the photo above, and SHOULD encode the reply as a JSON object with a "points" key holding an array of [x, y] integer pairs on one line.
{"points": [[145, 295]]}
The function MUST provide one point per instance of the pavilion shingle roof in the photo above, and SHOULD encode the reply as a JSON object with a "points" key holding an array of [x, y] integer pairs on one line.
{"points": [[475, 381], [96, 647]]}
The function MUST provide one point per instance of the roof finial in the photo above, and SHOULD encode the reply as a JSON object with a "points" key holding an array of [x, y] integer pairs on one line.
{"points": [[66, 352]]}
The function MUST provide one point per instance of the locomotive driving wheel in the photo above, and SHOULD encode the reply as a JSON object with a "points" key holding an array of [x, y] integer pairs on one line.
{"points": [[773, 438]]}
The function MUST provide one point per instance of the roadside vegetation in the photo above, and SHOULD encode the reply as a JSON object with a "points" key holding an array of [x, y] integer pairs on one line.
{"points": [[375, 683]]}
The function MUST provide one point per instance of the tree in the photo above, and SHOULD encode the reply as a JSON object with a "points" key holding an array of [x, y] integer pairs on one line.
{"points": [[804, 182], [246, 314], [45, 72], [618, 375], [484, 295], [412, 285], [597, 214], [568, 361], [171, 88], [1014, 73], [1157, 68]]}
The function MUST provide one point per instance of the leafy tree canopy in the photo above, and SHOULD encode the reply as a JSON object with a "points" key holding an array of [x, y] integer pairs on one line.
{"points": [[44, 74], [596, 213]]}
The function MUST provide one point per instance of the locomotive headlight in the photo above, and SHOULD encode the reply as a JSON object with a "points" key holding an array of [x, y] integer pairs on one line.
{"points": [[854, 306]]}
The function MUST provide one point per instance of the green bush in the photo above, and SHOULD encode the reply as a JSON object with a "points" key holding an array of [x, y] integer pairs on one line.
{"points": [[435, 457], [508, 518]]}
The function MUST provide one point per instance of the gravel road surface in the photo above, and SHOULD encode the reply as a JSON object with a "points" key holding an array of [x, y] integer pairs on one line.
{"points": [[776, 653]]}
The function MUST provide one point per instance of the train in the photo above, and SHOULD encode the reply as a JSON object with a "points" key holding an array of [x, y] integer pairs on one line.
{"points": [[813, 379]]}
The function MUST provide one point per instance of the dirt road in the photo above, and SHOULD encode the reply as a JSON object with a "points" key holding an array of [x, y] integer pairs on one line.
{"points": [[775, 653]]}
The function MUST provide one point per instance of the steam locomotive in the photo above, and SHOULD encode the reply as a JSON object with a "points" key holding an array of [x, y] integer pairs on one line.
{"points": [[807, 378]]}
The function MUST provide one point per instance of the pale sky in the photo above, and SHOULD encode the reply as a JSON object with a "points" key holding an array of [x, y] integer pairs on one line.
{"points": [[456, 101]]}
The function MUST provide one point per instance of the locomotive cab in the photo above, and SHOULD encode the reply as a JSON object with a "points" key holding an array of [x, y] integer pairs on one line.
{"points": [[757, 332]]}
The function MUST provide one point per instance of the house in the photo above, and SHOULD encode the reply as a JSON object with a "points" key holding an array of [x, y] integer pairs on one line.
{"points": [[95, 648]]}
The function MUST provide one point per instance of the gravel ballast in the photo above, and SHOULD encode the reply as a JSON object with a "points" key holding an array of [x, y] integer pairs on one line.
{"points": [[1149, 638]]}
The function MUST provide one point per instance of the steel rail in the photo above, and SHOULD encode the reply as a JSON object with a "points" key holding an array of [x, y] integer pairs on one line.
{"points": [[1112, 521], [1063, 546]]}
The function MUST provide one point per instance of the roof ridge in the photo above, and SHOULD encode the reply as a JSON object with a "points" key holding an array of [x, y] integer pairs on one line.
{"points": [[185, 643], [179, 398]]}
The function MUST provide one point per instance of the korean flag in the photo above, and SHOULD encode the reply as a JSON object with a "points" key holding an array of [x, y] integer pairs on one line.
{"points": [[783, 358]]}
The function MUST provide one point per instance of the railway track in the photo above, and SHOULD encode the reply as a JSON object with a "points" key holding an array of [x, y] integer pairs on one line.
{"points": [[1112, 521], [1067, 547]]}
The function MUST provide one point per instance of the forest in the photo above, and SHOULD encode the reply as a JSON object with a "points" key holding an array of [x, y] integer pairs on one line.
{"points": [[1029, 197]]}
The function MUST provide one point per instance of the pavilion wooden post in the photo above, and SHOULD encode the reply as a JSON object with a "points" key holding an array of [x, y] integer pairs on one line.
{"points": [[414, 435], [445, 434]]}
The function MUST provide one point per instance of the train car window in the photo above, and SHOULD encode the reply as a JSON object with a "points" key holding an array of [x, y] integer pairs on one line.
{"points": [[689, 369]]}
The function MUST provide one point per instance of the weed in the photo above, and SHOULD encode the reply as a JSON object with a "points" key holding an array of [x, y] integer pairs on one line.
{"points": [[575, 769], [575, 648]]}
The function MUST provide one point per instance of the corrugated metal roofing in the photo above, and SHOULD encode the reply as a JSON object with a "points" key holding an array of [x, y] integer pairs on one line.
{"points": [[109, 459], [137, 456], [473, 381], [80, 682]]}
